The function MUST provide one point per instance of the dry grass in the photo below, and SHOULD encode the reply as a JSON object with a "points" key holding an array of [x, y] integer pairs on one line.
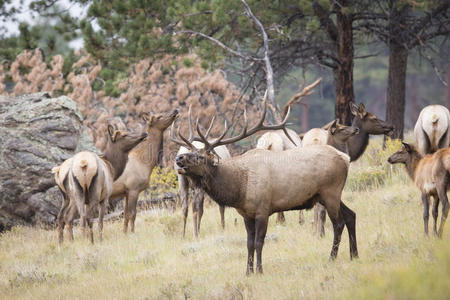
{"points": [[396, 260]]}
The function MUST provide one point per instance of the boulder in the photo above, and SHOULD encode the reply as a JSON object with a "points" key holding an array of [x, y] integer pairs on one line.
{"points": [[37, 132]]}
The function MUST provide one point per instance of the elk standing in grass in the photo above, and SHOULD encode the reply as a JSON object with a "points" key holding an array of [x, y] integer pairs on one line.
{"points": [[141, 161], [183, 181], [432, 129], [260, 183], [86, 180], [431, 174], [368, 124]]}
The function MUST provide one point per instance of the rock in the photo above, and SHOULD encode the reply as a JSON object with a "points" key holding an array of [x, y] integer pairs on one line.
{"points": [[37, 132]]}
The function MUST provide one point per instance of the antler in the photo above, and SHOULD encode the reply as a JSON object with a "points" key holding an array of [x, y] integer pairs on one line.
{"points": [[298, 97], [209, 146], [185, 142]]}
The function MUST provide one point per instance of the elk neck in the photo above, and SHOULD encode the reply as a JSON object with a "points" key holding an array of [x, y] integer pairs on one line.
{"points": [[412, 164], [149, 149], [117, 159], [343, 147], [357, 144], [223, 184]]}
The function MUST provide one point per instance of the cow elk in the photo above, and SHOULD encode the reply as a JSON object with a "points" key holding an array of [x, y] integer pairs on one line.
{"points": [[86, 180], [260, 183], [355, 145], [432, 129], [431, 174], [141, 161]]}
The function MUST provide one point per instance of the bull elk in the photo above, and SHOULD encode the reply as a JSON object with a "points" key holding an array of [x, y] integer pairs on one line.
{"points": [[431, 174], [432, 129], [86, 180], [141, 161], [260, 183]]}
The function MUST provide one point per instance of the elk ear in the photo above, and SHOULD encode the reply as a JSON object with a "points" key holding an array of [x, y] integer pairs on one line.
{"points": [[407, 146], [147, 116], [112, 133], [353, 108], [362, 109], [333, 126]]}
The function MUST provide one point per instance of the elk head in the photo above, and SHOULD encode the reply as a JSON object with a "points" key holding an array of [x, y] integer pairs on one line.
{"points": [[119, 143], [403, 155], [368, 122], [160, 121], [341, 133], [201, 161]]}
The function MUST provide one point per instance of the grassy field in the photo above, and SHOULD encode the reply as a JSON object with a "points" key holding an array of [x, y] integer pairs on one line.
{"points": [[396, 260]]}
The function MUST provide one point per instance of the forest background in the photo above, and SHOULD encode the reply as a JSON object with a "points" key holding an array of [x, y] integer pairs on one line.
{"points": [[117, 58]]}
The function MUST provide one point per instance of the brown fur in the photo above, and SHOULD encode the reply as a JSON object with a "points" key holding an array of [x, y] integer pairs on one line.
{"points": [[431, 174], [141, 161], [260, 183], [86, 179]]}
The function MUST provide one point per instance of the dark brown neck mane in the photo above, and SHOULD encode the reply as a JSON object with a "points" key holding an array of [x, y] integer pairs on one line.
{"points": [[222, 185], [357, 144]]}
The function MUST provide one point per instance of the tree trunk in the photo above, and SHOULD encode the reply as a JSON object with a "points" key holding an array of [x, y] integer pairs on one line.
{"points": [[395, 103], [343, 74]]}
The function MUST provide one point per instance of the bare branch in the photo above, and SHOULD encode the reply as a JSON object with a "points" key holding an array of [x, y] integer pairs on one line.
{"points": [[222, 45], [269, 70]]}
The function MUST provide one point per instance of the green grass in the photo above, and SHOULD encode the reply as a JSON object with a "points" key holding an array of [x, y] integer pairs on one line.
{"points": [[396, 260]]}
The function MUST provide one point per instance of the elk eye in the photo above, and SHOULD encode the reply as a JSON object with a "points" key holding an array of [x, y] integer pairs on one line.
{"points": [[159, 117]]}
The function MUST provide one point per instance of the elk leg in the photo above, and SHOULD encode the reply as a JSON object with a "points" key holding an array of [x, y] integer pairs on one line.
{"points": [[132, 203], [195, 209], [350, 223], [183, 189], [91, 232], [426, 206], [250, 227], [435, 213], [60, 218], [201, 199], [319, 219], [125, 214], [333, 206], [441, 188], [261, 229], [280, 218], [69, 217], [101, 214], [222, 216], [301, 217]]}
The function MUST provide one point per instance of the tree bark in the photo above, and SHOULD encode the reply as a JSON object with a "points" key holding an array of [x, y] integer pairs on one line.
{"points": [[343, 74], [395, 103]]}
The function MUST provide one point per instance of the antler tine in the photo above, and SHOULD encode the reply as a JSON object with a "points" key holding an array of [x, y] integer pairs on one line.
{"points": [[175, 140], [188, 143], [210, 127], [202, 139], [191, 131]]}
